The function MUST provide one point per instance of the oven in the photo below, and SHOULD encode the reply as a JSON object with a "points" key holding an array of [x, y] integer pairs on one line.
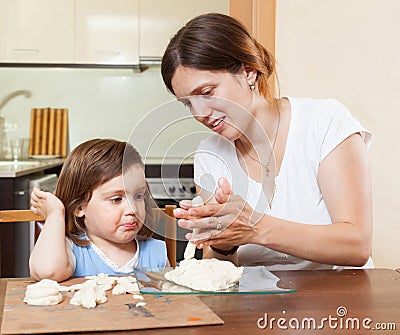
{"points": [[170, 183]]}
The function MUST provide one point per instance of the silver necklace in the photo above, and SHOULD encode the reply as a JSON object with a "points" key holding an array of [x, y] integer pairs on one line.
{"points": [[265, 166]]}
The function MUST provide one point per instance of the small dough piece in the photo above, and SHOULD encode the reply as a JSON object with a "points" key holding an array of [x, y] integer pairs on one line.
{"points": [[44, 283], [90, 295], [44, 301], [126, 284], [103, 280], [190, 249], [141, 304], [72, 288], [205, 274], [43, 293]]}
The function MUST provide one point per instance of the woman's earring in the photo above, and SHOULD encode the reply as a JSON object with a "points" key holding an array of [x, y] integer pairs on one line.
{"points": [[252, 87]]}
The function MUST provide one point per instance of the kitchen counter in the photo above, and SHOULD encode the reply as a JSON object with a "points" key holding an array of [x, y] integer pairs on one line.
{"points": [[9, 169]]}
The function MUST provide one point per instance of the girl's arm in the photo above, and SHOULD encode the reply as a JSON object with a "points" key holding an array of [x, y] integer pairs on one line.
{"points": [[49, 257], [344, 180]]}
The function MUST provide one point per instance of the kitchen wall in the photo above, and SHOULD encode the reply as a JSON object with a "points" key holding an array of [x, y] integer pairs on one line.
{"points": [[347, 49], [101, 102]]}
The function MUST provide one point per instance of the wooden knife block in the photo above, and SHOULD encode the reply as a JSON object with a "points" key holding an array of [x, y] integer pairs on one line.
{"points": [[48, 132]]}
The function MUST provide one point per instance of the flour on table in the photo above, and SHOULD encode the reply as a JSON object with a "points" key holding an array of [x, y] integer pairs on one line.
{"points": [[205, 274]]}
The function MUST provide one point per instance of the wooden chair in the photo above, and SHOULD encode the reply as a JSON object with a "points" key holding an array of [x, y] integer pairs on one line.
{"points": [[170, 232], [19, 215]]}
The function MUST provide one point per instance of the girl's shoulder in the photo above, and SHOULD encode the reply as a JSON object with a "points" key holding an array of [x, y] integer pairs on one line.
{"points": [[152, 243]]}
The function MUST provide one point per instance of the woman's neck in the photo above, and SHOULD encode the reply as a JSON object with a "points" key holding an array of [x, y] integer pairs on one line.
{"points": [[265, 122]]}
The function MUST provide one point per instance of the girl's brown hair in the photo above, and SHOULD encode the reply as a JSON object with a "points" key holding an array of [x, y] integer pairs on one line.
{"points": [[88, 166], [217, 42]]}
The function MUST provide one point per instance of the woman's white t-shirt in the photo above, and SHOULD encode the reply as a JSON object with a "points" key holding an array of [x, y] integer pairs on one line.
{"points": [[317, 126]]}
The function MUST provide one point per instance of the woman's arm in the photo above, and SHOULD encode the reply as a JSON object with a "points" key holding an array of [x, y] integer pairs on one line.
{"points": [[49, 257], [345, 183]]}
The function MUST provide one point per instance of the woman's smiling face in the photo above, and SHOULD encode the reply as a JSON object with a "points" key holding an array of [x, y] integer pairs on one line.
{"points": [[219, 100]]}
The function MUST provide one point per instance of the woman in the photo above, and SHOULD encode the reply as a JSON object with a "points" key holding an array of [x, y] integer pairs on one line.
{"points": [[317, 211]]}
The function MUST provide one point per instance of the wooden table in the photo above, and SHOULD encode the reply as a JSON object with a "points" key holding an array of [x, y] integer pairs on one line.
{"points": [[338, 302]]}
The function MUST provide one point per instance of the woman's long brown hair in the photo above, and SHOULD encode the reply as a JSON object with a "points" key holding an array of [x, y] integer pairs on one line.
{"points": [[217, 42]]}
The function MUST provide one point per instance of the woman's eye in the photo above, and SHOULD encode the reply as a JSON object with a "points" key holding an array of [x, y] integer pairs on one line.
{"points": [[116, 200], [187, 104], [139, 196]]}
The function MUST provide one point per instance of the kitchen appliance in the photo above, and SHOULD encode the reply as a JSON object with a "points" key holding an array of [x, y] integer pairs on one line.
{"points": [[169, 184], [25, 231]]}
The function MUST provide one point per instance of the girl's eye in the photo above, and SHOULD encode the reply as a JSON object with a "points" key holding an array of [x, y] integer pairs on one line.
{"points": [[116, 200]]}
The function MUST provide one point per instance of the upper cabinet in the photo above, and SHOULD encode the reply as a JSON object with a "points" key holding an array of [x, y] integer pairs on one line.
{"points": [[107, 32], [94, 32], [160, 20], [36, 31]]}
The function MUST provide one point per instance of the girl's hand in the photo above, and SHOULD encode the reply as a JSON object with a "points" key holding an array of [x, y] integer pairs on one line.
{"points": [[45, 204]]}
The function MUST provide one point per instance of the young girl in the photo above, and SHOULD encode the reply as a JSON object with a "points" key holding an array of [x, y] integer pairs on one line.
{"points": [[100, 218]]}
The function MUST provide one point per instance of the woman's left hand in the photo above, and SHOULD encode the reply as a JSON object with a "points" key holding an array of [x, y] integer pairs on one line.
{"points": [[231, 221]]}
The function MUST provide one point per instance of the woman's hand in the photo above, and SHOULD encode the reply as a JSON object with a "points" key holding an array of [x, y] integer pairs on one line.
{"points": [[46, 204], [228, 222]]}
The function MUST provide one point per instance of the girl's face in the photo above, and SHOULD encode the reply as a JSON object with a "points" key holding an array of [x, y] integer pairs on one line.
{"points": [[221, 101], [116, 211]]}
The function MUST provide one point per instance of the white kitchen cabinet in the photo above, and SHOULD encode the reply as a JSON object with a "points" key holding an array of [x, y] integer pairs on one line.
{"points": [[107, 32], [94, 32], [161, 19], [36, 31]]}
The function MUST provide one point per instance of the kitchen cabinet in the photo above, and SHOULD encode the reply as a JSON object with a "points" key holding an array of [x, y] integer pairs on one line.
{"points": [[94, 32], [36, 31], [107, 32], [160, 20]]}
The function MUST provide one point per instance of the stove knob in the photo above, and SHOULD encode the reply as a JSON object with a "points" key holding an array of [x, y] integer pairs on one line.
{"points": [[171, 189], [193, 189], [182, 188]]}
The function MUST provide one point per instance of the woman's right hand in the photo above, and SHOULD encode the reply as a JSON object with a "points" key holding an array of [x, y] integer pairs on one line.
{"points": [[227, 221], [45, 203]]}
